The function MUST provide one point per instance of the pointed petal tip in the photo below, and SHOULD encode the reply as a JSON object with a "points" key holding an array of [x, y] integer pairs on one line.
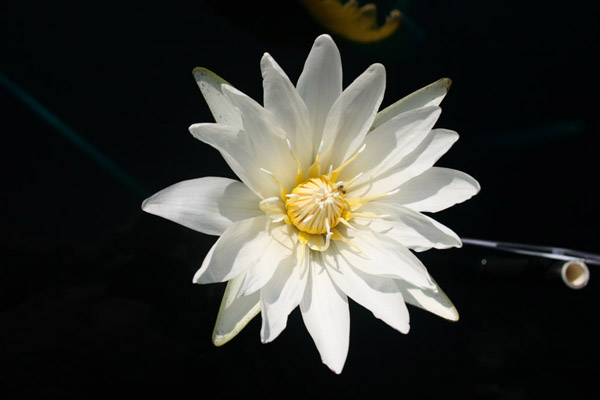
{"points": [[197, 130], [477, 186], [201, 278], [198, 70], [266, 333], [146, 204], [230, 91], [453, 135], [450, 314], [220, 340], [334, 367], [266, 340], [324, 37], [377, 68], [267, 62], [455, 316], [222, 336], [405, 329], [326, 41], [447, 82], [197, 279], [266, 59], [151, 206], [194, 126], [203, 73]]}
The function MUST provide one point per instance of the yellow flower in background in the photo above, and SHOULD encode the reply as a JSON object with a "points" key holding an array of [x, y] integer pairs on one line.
{"points": [[352, 22], [330, 200]]}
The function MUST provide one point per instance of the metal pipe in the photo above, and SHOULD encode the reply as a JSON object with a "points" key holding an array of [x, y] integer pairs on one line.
{"points": [[574, 273], [569, 266]]}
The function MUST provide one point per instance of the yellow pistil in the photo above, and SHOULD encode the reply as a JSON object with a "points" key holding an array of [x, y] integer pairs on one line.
{"points": [[315, 205]]}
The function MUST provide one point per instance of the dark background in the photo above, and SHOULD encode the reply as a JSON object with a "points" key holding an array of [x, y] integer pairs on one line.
{"points": [[96, 298]]}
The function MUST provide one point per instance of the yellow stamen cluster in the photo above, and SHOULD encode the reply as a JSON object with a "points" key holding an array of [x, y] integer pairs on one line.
{"points": [[316, 205]]}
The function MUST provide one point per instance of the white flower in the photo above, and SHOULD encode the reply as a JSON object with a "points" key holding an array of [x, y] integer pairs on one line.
{"points": [[329, 204]]}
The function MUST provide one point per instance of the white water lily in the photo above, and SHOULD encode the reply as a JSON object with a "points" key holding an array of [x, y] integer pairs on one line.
{"points": [[330, 201]]}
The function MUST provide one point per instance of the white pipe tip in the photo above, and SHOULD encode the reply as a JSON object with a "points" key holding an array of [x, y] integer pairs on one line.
{"points": [[575, 274]]}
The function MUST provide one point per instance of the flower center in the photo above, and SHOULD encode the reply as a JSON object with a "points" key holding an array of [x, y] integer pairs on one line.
{"points": [[315, 206]]}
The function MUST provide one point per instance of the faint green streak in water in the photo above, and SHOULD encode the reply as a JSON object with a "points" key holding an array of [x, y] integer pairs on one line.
{"points": [[72, 136]]}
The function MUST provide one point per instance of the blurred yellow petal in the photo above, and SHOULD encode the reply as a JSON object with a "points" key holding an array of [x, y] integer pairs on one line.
{"points": [[352, 22]]}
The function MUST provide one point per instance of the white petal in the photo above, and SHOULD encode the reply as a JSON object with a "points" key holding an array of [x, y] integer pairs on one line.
{"points": [[208, 205], [378, 254], [352, 115], [274, 208], [283, 101], [435, 145], [391, 142], [221, 108], [235, 312], [436, 189], [434, 301], [235, 147], [320, 83], [274, 247], [282, 294], [430, 95], [380, 295], [326, 315], [265, 137], [411, 228], [235, 251]]}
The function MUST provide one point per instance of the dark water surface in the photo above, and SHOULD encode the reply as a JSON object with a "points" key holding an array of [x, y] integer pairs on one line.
{"points": [[96, 296]]}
